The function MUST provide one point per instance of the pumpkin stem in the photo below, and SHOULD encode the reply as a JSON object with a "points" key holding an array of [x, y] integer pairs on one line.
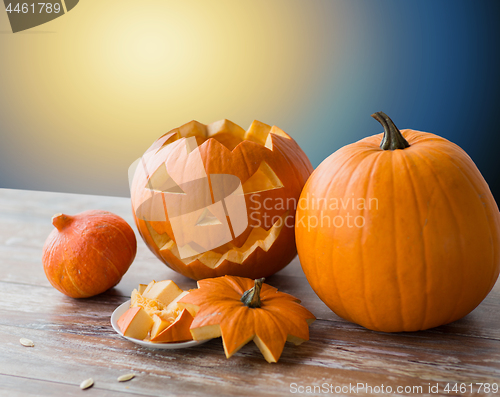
{"points": [[60, 221], [393, 139], [251, 298]]}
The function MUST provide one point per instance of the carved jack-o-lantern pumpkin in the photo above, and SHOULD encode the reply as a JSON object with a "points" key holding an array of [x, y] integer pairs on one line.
{"points": [[211, 200]]}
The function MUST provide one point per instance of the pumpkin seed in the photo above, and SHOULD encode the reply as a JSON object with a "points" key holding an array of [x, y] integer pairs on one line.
{"points": [[126, 377], [86, 383], [26, 342]]}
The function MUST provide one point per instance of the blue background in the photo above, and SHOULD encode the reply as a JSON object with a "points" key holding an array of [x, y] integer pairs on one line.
{"points": [[84, 96], [432, 66]]}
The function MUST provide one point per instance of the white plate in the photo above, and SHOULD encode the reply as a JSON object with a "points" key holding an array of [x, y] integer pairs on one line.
{"points": [[181, 345]]}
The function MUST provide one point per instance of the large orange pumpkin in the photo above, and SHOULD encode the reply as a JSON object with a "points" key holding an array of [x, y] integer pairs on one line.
{"points": [[401, 237], [213, 200]]}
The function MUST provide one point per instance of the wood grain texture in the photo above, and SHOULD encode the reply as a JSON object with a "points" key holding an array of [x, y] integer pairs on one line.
{"points": [[74, 339]]}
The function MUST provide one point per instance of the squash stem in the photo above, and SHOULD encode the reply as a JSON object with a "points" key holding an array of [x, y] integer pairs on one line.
{"points": [[393, 139], [251, 298], [60, 221]]}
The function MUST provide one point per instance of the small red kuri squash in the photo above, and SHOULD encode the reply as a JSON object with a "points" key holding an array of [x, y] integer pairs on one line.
{"points": [[88, 253]]}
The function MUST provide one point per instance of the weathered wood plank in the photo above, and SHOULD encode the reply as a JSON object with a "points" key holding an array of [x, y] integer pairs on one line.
{"points": [[24, 227], [21, 242], [23, 231], [349, 358], [74, 339], [17, 386], [482, 322], [345, 345]]}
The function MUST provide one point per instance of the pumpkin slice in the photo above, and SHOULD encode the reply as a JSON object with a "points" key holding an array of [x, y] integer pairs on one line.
{"points": [[172, 306], [168, 322], [142, 288], [240, 310], [163, 291], [135, 323], [159, 325], [151, 306], [178, 331]]}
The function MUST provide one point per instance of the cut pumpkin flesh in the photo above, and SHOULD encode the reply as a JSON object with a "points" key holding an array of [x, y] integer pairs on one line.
{"points": [[135, 323], [155, 314], [225, 132], [177, 331]]}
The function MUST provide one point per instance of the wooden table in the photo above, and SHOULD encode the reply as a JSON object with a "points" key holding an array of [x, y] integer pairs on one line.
{"points": [[74, 339]]}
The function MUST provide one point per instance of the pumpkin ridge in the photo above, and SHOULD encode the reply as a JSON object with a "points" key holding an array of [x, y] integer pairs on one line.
{"points": [[249, 140], [297, 311], [205, 316], [69, 276], [50, 250], [230, 293], [487, 217], [329, 186], [291, 166], [347, 155], [427, 138], [109, 261], [350, 156], [307, 169], [299, 329], [316, 240], [268, 295], [496, 221], [426, 262], [230, 338], [233, 317], [457, 224], [394, 225], [237, 283], [62, 273], [300, 156], [363, 281], [123, 234], [275, 349], [369, 142]]}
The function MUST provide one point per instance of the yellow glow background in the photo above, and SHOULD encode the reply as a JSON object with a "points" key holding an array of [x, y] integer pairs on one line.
{"points": [[86, 94]]}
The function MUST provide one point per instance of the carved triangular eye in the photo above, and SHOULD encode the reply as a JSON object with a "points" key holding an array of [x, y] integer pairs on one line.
{"points": [[264, 179], [207, 219], [162, 182]]}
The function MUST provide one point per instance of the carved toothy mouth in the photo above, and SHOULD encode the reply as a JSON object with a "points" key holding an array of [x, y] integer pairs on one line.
{"points": [[259, 237]]}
